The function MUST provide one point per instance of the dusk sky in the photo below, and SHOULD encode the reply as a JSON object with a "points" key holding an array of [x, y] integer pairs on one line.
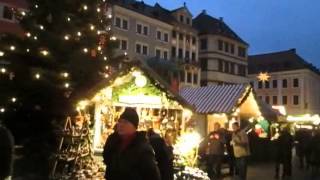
{"points": [[267, 25]]}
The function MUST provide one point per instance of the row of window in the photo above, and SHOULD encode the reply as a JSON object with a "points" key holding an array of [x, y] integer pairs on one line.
{"points": [[226, 67], [295, 83], [295, 100], [185, 20], [179, 54], [224, 46], [188, 78], [181, 37], [7, 13]]}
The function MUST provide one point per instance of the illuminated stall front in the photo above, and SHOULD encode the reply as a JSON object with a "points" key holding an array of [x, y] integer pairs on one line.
{"points": [[157, 106]]}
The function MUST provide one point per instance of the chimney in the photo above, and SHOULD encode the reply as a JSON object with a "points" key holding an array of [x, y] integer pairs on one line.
{"points": [[293, 50], [221, 19], [204, 12], [184, 4]]}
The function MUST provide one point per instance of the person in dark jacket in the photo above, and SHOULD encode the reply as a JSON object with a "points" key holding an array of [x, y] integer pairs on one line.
{"points": [[284, 153], [162, 154], [127, 153], [6, 152]]}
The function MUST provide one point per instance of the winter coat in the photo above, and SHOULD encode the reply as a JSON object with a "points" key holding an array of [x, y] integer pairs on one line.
{"points": [[216, 146], [240, 144], [315, 150], [284, 147], [6, 152], [135, 162]]}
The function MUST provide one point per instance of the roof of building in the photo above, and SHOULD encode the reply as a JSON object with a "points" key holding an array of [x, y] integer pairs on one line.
{"points": [[278, 61], [16, 3], [207, 24], [215, 98]]}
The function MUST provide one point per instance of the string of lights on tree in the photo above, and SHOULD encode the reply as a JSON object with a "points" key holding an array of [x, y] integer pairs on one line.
{"points": [[54, 41]]}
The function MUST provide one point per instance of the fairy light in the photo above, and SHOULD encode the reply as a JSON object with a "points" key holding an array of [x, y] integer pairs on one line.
{"points": [[113, 38], [99, 48], [85, 50], [66, 85], [65, 74], [98, 9], [66, 37], [41, 27], [85, 7], [44, 52], [28, 50], [28, 34], [23, 13], [125, 53], [98, 32], [110, 16], [35, 37], [105, 58], [68, 19], [91, 27], [79, 33], [106, 75], [36, 6], [12, 48], [13, 99], [1, 53], [37, 76], [107, 67], [2, 110], [3, 70]]}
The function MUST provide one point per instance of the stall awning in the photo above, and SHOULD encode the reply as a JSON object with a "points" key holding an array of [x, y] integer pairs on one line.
{"points": [[215, 98]]}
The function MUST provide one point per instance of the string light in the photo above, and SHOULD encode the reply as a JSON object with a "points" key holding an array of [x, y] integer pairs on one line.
{"points": [[106, 75], [85, 7], [66, 85], [35, 37], [105, 58], [113, 38], [28, 34], [37, 76], [85, 50], [98, 9], [98, 32], [65, 74], [2, 110], [13, 99], [79, 33], [1, 53], [3, 70], [12, 48], [23, 13], [28, 50], [125, 53], [36, 6], [107, 67], [66, 37], [44, 52], [91, 27], [110, 16], [99, 48], [41, 27], [68, 19]]}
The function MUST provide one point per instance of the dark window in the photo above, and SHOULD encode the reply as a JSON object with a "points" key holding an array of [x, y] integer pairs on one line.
{"points": [[260, 85], [284, 83], [267, 99], [124, 24], [165, 54], [124, 45], [180, 55], [241, 52], [139, 28], [188, 20], [180, 36], [220, 45], [295, 100], [193, 56], [193, 40], [295, 82], [284, 100], [173, 52], [252, 83], [260, 97], [174, 34], [242, 70], [203, 44], [166, 37], [145, 30], [275, 100], [181, 18], [138, 48], [189, 75], [232, 48], [118, 22], [220, 65], [275, 84], [267, 84], [159, 35], [158, 53], [226, 67], [195, 78], [232, 68], [187, 55], [204, 63], [203, 83], [188, 38], [145, 50], [226, 47], [182, 74], [7, 13]]}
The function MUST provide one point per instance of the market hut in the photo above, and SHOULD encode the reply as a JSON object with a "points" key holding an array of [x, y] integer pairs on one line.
{"points": [[225, 104], [158, 106]]}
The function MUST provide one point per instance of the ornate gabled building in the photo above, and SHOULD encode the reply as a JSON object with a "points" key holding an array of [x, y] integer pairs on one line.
{"points": [[290, 81], [222, 53]]}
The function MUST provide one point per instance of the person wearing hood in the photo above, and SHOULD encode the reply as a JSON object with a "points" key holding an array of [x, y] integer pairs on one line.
{"points": [[127, 153]]}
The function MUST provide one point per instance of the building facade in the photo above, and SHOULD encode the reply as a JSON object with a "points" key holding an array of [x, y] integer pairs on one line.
{"points": [[222, 53], [293, 83]]}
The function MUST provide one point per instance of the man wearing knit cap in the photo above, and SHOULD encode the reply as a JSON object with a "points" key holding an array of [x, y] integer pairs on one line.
{"points": [[127, 153]]}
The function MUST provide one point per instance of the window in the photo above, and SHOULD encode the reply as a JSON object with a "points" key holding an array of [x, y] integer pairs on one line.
{"points": [[145, 50], [123, 44], [173, 52], [204, 63], [118, 22], [274, 83], [267, 84], [275, 100], [142, 29], [295, 82], [159, 35], [166, 37], [284, 100], [252, 83], [189, 76], [181, 18], [188, 20], [241, 52], [260, 85], [193, 56], [182, 74], [174, 34], [165, 54], [267, 100], [226, 47], [226, 67], [232, 48], [125, 24], [188, 39], [195, 78], [145, 30], [220, 45], [220, 65], [232, 68], [158, 53], [187, 55], [203, 44], [193, 40], [242, 70], [295, 100], [284, 83], [7, 13], [139, 28], [138, 48], [180, 55], [180, 36]]}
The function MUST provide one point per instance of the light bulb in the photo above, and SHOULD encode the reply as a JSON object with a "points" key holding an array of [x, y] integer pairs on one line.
{"points": [[12, 48], [36, 6], [105, 58], [68, 19], [37, 76], [106, 75], [28, 50], [113, 38], [2, 110], [44, 52], [98, 32], [98, 9], [35, 37], [79, 33], [85, 50], [66, 85], [23, 13], [65, 74], [85, 7], [66, 37], [3, 70], [41, 27], [13, 99], [1, 53], [92, 27], [110, 16], [99, 48], [28, 34]]}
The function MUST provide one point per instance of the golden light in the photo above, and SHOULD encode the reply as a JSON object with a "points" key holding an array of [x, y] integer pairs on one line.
{"points": [[85, 50], [28, 34], [85, 7], [12, 48], [106, 75], [2, 110], [28, 50], [99, 48], [110, 16], [68, 19], [92, 27], [82, 104], [41, 27], [113, 38], [13, 99], [35, 37], [263, 76], [37, 76], [23, 13], [3, 70], [105, 58], [98, 32], [107, 67], [1, 53], [66, 85], [44, 52], [36, 6], [65, 74], [187, 113], [66, 37], [79, 33], [140, 81], [98, 9]]}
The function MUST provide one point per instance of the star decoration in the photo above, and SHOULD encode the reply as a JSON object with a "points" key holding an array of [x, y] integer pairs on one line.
{"points": [[263, 76]]}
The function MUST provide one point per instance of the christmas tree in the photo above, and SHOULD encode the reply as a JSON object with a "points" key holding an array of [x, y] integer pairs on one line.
{"points": [[66, 47]]}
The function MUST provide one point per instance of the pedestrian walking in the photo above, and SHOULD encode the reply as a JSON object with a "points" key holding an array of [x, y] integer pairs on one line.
{"points": [[240, 143], [127, 152], [284, 153], [315, 154], [302, 137], [6, 153]]}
